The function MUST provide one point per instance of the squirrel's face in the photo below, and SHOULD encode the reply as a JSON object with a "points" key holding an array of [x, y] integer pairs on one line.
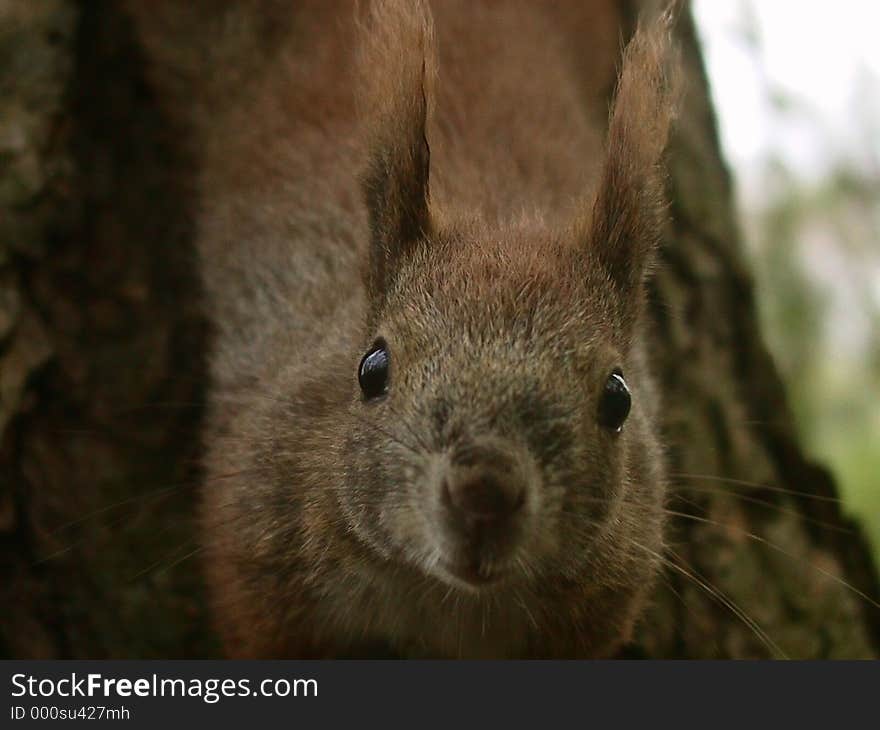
{"points": [[497, 429], [493, 420]]}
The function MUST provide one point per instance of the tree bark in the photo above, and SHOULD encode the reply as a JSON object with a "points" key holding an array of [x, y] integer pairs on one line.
{"points": [[101, 358], [101, 381]]}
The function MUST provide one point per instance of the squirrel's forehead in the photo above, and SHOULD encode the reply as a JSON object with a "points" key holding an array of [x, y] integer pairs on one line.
{"points": [[492, 292], [488, 312], [506, 330]]}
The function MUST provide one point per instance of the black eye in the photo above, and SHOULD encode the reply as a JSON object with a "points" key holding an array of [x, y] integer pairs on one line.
{"points": [[373, 371], [615, 402]]}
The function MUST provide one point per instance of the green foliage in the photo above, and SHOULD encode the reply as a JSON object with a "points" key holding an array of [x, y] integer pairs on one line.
{"points": [[817, 265]]}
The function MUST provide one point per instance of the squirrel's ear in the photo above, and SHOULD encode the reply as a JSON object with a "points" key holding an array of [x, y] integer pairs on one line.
{"points": [[397, 66], [628, 210]]}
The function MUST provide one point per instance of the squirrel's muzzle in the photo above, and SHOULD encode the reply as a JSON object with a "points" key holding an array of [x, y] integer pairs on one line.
{"points": [[484, 498]]}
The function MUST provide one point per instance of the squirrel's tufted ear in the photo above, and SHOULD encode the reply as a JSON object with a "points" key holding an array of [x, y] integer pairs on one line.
{"points": [[397, 65], [628, 211]]}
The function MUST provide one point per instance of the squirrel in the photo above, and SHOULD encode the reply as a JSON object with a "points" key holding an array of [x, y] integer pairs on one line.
{"points": [[431, 429]]}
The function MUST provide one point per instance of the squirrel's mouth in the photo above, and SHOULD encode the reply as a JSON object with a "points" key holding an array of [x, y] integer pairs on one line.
{"points": [[474, 574], [482, 555]]}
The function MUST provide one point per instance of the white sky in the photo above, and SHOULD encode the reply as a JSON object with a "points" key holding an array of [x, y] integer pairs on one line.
{"points": [[824, 55]]}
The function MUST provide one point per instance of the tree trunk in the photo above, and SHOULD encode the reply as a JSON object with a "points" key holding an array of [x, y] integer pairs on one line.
{"points": [[101, 381]]}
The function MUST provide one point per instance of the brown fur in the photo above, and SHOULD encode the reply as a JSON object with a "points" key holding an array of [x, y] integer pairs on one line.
{"points": [[507, 293]]}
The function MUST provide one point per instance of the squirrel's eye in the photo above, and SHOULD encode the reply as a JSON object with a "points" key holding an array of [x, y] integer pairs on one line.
{"points": [[373, 371], [615, 402]]}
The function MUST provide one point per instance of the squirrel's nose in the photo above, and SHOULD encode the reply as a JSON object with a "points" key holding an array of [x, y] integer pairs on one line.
{"points": [[485, 497]]}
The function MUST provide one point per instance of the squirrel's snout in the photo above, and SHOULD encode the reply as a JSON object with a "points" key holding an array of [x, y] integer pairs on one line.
{"points": [[484, 518], [484, 498], [487, 501]]}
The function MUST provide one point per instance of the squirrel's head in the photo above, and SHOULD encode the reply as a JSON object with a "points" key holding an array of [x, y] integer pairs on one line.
{"points": [[500, 425]]}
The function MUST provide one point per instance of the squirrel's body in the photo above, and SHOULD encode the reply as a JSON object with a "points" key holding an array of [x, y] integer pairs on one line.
{"points": [[506, 301]]}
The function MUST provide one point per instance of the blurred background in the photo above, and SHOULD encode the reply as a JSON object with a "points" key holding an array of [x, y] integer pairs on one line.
{"points": [[797, 91]]}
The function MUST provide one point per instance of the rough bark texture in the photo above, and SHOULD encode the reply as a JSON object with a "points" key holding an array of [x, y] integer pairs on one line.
{"points": [[100, 363], [101, 381]]}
